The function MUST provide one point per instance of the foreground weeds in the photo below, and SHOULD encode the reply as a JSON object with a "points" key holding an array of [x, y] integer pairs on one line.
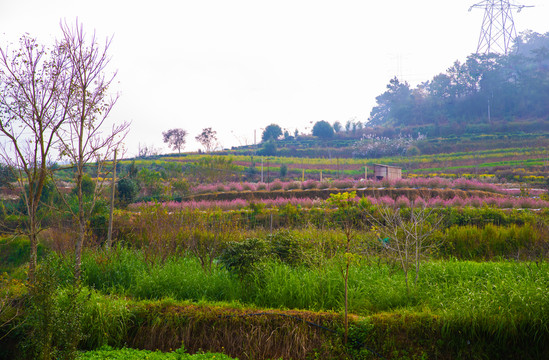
{"points": [[134, 354], [447, 287]]}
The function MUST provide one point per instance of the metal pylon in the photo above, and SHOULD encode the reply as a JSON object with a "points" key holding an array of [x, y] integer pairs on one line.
{"points": [[498, 28]]}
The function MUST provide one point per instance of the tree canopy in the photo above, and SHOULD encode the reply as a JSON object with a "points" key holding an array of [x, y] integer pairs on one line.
{"points": [[272, 131], [323, 130], [483, 88], [208, 139], [175, 138]]}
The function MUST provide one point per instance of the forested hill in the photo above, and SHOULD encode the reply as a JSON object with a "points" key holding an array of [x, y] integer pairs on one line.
{"points": [[483, 91]]}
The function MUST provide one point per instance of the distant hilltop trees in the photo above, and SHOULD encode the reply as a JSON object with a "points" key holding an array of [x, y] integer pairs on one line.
{"points": [[484, 87]]}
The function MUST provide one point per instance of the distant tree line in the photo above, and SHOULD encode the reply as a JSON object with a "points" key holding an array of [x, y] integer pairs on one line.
{"points": [[485, 86]]}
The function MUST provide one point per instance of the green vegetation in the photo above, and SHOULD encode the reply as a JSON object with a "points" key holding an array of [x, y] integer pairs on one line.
{"points": [[133, 354], [468, 90], [445, 287], [500, 302], [15, 252], [214, 257]]}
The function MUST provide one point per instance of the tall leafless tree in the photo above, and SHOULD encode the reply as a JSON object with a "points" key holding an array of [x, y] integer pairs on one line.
{"points": [[83, 138], [175, 138], [208, 139], [31, 112]]}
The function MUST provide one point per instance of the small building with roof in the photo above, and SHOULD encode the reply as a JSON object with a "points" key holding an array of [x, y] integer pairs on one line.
{"points": [[387, 172]]}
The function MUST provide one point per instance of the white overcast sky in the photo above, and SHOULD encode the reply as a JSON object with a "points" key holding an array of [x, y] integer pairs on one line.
{"points": [[237, 65]]}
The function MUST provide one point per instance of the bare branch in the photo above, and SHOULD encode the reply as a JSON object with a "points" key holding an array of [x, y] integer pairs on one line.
{"points": [[31, 81], [88, 104]]}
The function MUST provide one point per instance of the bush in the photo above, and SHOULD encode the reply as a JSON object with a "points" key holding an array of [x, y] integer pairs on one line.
{"points": [[127, 191], [242, 258], [294, 185], [310, 184], [276, 185], [181, 187], [283, 170], [268, 149], [287, 248], [412, 150]]}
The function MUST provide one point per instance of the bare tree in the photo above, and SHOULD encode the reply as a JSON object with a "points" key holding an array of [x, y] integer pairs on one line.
{"points": [[208, 139], [88, 104], [407, 235], [345, 219], [31, 112], [175, 138], [144, 150], [208, 235]]}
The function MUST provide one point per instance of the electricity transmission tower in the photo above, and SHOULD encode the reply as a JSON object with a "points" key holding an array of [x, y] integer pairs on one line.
{"points": [[498, 28]]}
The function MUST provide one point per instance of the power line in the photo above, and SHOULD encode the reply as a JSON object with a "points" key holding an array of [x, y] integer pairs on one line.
{"points": [[498, 27]]}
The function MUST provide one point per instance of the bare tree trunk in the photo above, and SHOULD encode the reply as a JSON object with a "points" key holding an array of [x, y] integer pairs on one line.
{"points": [[113, 192], [33, 250], [78, 250], [81, 219]]}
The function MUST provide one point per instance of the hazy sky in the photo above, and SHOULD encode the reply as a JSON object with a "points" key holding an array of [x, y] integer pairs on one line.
{"points": [[237, 65]]}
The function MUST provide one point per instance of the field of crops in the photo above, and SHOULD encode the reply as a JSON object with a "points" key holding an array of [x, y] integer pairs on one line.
{"points": [[318, 260]]}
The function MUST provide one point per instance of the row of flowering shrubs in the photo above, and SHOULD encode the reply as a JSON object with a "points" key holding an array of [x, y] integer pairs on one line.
{"points": [[400, 201], [431, 183], [393, 193]]}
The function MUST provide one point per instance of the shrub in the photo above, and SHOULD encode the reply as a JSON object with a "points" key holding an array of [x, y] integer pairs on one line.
{"points": [[343, 184], [248, 187], [15, 252], [276, 185], [235, 187], [412, 150], [402, 201], [269, 148], [283, 170], [294, 185], [181, 187], [242, 258], [220, 188], [287, 248], [310, 184], [127, 191], [324, 185]]}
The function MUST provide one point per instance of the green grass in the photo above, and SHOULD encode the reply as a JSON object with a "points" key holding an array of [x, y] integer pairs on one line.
{"points": [[134, 354], [504, 290], [15, 251], [507, 163], [352, 167], [504, 301]]}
